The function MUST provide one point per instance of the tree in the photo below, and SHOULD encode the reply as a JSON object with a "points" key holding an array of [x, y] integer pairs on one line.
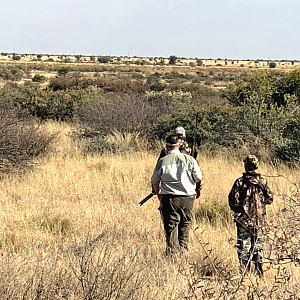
{"points": [[63, 71], [272, 65], [16, 57], [173, 59], [104, 59], [199, 62], [39, 78]]}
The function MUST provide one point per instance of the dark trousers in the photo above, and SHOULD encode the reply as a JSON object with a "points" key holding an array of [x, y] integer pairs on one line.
{"points": [[176, 212], [250, 248]]}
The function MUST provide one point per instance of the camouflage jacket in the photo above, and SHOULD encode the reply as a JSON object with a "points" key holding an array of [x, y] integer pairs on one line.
{"points": [[248, 198], [185, 148]]}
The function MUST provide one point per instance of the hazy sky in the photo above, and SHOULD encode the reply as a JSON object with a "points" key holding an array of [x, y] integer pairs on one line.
{"points": [[237, 29]]}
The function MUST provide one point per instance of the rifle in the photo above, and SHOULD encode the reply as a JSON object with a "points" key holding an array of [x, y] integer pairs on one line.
{"points": [[194, 137], [146, 198]]}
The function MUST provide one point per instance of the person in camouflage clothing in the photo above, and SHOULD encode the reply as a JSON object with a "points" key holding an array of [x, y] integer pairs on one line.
{"points": [[248, 199], [184, 146]]}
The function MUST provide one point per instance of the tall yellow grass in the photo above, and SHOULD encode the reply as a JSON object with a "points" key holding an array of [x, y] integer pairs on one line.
{"points": [[73, 204]]}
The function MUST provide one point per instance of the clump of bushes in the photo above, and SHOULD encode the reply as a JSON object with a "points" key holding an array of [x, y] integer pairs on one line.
{"points": [[21, 140], [11, 73], [39, 78]]}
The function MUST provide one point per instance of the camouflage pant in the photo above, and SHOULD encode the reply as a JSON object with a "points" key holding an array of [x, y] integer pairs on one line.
{"points": [[250, 247], [176, 212]]}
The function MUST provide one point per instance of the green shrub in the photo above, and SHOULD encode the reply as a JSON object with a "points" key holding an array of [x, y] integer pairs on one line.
{"points": [[63, 71], [173, 59], [39, 78], [13, 73], [104, 59], [46, 104]]}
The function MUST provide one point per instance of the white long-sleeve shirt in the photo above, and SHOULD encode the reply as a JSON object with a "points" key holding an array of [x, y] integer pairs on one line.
{"points": [[178, 174]]}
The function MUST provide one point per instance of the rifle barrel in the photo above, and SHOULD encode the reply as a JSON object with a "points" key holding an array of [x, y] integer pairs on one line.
{"points": [[146, 198]]}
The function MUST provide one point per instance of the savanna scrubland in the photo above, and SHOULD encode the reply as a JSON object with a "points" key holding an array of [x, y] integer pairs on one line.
{"points": [[77, 152]]}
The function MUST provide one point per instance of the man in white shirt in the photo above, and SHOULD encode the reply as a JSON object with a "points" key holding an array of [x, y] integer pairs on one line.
{"points": [[176, 175]]}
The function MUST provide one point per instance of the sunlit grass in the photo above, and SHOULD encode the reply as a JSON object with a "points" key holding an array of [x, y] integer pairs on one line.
{"points": [[73, 225]]}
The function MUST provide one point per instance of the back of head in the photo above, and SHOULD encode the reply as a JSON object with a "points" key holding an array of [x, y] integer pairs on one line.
{"points": [[172, 140], [251, 162]]}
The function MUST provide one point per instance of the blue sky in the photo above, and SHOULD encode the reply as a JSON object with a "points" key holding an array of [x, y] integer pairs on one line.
{"points": [[233, 29]]}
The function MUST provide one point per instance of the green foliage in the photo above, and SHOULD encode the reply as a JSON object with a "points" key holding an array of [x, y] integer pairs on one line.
{"points": [[173, 59], [258, 113], [46, 104], [291, 84], [13, 73], [264, 83], [170, 98], [63, 71], [272, 65], [104, 59], [39, 78]]}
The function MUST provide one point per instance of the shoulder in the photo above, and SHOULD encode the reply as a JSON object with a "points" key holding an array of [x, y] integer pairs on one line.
{"points": [[189, 159], [239, 181], [262, 180], [163, 153]]}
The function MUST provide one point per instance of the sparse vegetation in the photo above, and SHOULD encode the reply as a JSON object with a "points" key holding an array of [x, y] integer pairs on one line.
{"points": [[71, 227]]}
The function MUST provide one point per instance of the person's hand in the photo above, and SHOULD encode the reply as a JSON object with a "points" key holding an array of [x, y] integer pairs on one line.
{"points": [[159, 196], [198, 194]]}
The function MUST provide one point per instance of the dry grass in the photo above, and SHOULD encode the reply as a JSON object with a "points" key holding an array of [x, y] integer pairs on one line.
{"points": [[73, 229]]}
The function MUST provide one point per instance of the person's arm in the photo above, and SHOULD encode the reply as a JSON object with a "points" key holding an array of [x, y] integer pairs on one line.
{"points": [[155, 181], [156, 189], [234, 197], [268, 195], [197, 176]]}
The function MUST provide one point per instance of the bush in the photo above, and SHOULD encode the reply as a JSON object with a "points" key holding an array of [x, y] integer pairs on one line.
{"points": [[21, 140], [46, 104], [104, 59], [39, 78], [173, 59], [63, 71], [130, 113], [199, 62], [13, 73], [16, 57], [105, 84]]}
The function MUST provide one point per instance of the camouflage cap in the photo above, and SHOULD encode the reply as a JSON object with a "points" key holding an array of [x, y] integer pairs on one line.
{"points": [[251, 161], [179, 130]]}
